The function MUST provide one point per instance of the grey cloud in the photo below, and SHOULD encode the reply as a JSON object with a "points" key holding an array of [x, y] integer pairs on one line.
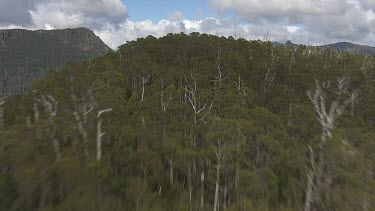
{"points": [[368, 4], [62, 13], [74, 13], [16, 11], [329, 20]]}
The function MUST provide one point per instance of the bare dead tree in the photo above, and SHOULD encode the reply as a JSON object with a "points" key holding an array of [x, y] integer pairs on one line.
{"points": [[354, 99], [310, 180], [367, 65], [268, 79], [202, 191], [366, 205], [221, 76], [83, 108], [50, 105], [2, 103], [292, 58], [91, 65], [144, 81], [119, 53], [240, 88], [201, 110], [81, 115], [219, 157], [35, 109], [99, 133], [165, 100], [327, 120]]}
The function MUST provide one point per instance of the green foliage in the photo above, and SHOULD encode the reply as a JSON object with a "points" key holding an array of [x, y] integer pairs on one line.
{"points": [[179, 109]]}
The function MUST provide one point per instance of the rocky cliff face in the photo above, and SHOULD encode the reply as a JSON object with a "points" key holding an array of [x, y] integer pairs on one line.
{"points": [[29, 55]]}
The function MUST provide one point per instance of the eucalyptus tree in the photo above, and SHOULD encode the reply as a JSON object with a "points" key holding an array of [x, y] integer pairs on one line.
{"points": [[327, 120], [50, 105]]}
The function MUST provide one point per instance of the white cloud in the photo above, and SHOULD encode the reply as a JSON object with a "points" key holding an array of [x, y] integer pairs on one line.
{"points": [[302, 21], [293, 29], [176, 16], [129, 30], [325, 20], [76, 13]]}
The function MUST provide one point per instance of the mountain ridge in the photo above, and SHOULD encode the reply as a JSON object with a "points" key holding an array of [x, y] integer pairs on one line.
{"points": [[343, 46], [26, 55]]}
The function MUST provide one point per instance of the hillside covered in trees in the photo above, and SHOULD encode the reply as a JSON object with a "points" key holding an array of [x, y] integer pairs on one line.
{"points": [[195, 122]]}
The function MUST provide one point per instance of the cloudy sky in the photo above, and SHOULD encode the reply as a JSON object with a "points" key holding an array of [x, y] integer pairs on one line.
{"points": [[116, 21]]}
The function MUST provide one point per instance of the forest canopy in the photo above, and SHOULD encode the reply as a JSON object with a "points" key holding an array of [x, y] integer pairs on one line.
{"points": [[194, 122]]}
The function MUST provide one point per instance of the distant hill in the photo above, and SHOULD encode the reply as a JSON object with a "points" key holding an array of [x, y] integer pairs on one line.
{"points": [[287, 43], [356, 48], [344, 46], [28, 55]]}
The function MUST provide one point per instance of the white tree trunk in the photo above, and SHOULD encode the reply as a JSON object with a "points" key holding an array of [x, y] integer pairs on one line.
{"points": [[57, 149], [171, 172], [50, 105], [225, 197], [202, 190], [83, 133], [81, 115], [100, 134], [217, 186], [327, 120], [190, 187], [2, 102], [36, 112], [310, 182]]}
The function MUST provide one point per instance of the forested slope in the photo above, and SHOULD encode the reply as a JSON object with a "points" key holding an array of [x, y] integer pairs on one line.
{"points": [[195, 122]]}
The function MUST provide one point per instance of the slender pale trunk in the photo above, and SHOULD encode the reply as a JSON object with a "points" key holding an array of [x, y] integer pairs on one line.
{"points": [[83, 134], [57, 149], [225, 197], [142, 98], [321, 164], [315, 175], [202, 190], [190, 187], [366, 204], [144, 81], [366, 201], [99, 135], [217, 183], [1, 115], [309, 191], [43, 196], [36, 112], [143, 88], [171, 172], [120, 58], [56, 146], [43, 191], [236, 178]]}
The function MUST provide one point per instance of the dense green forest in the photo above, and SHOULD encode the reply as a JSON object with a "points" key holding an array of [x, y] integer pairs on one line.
{"points": [[195, 122]]}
